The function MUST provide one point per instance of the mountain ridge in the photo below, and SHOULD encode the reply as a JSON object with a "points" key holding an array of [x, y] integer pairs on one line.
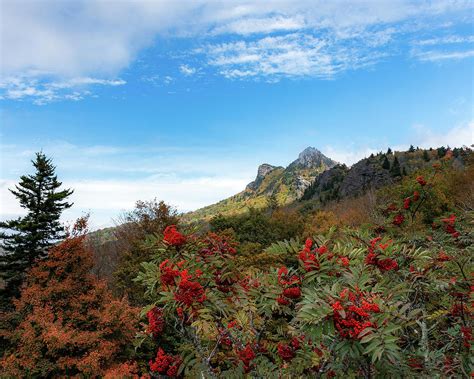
{"points": [[315, 177], [286, 183]]}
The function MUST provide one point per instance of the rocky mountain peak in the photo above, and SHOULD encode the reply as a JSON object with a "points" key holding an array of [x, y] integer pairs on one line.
{"points": [[312, 158], [263, 170]]}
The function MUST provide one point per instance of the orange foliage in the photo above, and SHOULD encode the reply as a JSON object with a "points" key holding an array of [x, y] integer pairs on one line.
{"points": [[66, 321]]}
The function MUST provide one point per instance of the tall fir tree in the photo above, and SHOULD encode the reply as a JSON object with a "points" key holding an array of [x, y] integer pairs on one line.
{"points": [[395, 170], [386, 163], [28, 238]]}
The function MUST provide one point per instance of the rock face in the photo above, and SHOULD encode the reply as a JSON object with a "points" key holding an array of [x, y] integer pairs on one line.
{"points": [[263, 170], [362, 176], [301, 184], [326, 186], [311, 158]]}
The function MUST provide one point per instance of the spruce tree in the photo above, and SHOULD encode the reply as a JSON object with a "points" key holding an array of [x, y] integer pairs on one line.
{"points": [[395, 170], [386, 163], [28, 238]]}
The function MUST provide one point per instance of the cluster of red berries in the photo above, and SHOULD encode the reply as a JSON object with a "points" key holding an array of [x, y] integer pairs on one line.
{"points": [[288, 351], [189, 291], [352, 313], [421, 181], [310, 257], [216, 244], [246, 355], [165, 364], [449, 225], [399, 218], [248, 282], [466, 332], [168, 273], [172, 237], [290, 284], [375, 248], [156, 322]]}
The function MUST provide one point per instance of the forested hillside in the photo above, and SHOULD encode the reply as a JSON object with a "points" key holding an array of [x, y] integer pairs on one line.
{"points": [[365, 273]]}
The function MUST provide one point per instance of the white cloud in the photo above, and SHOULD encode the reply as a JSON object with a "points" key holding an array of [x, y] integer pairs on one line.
{"points": [[106, 199], [261, 25], [43, 91], [119, 176], [291, 55], [423, 137], [435, 56], [447, 40], [187, 70], [60, 41], [458, 136]]}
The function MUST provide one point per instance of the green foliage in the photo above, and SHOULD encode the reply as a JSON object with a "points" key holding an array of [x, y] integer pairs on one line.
{"points": [[395, 170], [386, 163], [134, 236], [258, 226]]}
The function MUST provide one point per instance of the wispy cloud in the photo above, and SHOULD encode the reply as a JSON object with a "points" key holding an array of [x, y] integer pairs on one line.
{"points": [[55, 41], [261, 25], [118, 176], [291, 55], [446, 40], [187, 70], [435, 56], [40, 92]]}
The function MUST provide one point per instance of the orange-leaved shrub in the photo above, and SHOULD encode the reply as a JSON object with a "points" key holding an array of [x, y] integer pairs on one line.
{"points": [[66, 323]]}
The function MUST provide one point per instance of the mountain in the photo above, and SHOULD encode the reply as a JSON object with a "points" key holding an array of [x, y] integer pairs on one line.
{"points": [[287, 184], [374, 172], [315, 177]]}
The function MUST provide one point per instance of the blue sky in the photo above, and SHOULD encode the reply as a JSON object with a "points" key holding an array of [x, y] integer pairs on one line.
{"points": [[183, 100]]}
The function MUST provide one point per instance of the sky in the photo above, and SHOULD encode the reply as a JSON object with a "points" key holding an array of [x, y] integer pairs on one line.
{"points": [[182, 100]]}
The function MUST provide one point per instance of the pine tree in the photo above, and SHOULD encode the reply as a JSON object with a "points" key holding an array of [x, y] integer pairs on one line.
{"points": [[411, 149], [386, 163], [28, 238], [395, 170], [389, 151]]}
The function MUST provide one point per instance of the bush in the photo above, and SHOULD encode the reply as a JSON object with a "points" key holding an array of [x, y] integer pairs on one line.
{"points": [[362, 303]]}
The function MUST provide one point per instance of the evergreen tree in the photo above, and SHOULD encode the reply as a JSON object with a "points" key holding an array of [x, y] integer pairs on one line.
{"points": [[395, 170], [389, 151], [411, 149], [28, 238], [426, 157], [386, 163], [441, 151]]}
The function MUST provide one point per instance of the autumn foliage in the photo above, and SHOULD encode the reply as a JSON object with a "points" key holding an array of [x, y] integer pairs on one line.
{"points": [[388, 300], [66, 322]]}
